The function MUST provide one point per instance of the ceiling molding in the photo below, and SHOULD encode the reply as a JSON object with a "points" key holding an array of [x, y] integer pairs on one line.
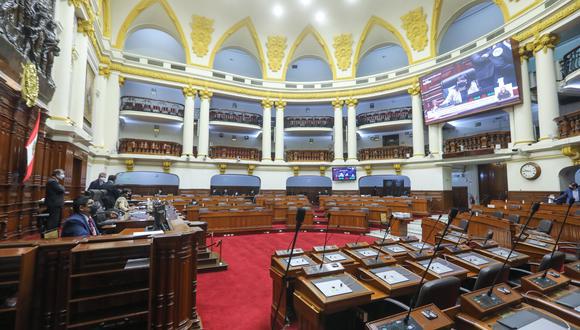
{"points": [[140, 8]]}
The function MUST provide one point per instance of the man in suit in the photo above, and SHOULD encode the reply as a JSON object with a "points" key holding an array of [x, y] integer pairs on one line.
{"points": [[100, 182], [54, 199], [571, 192], [112, 192], [80, 223]]}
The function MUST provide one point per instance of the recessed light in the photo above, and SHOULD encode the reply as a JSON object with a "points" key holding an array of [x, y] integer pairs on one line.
{"points": [[320, 16], [306, 3], [351, 1], [278, 10]]}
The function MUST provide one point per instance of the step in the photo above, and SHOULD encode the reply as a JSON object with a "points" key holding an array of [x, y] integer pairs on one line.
{"points": [[212, 268]]}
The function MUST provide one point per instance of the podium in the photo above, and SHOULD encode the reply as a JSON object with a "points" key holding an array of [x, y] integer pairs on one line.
{"points": [[417, 320], [320, 301], [440, 268]]}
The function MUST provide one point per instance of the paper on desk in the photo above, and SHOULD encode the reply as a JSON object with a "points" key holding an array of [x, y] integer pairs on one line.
{"points": [[392, 277], [147, 233], [439, 268], [368, 252], [297, 262], [335, 257], [542, 324], [333, 288], [396, 249], [475, 260]]}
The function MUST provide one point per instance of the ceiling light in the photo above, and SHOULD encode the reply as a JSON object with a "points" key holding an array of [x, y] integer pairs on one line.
{"points": [[278, 10], [305, 3], [351, 1], [320, 16]]}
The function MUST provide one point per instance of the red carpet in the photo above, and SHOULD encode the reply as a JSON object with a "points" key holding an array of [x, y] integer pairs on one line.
{"points": [[240, 298]]}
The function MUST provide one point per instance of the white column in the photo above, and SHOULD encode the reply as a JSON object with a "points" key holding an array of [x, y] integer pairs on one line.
{"points": [[267, 130], [79, 77], [112, 111], [338, 139], [512, 120], [62, 67], [523, 130], [435, 139], [188, 121], [548, 107], [100, 120], [418, 125], [203, 145], [279, 152], [351, 133]]}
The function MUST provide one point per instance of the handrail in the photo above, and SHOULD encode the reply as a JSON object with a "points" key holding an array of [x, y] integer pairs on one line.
{"points": [[149, 147], [144, 104], [309, 155], [569, 124], [481, 141], [394, 152], [235, 116], [570, 62], [309, 121], [224, 152], [385, 115]]}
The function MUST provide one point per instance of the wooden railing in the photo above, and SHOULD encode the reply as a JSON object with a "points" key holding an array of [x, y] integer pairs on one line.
{"points": [[309, 156], [382, 116], [222, 152], [234, 116], [483, 143], [134, 103], [569, 124], [327, 122], [570, 62], [147, 147], [398, 152]]}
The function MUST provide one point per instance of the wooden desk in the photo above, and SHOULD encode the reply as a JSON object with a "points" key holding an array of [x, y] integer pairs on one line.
{"points": [[465, 321], [441, 322], [291, 218], [472, 261], [337, 256], [349, 220], [398, 251], [572, 270], [499, 253], [428, 231], [380, 278], [534, 248], [236, 221], [419, 267], [367, 257], [549, 303]]}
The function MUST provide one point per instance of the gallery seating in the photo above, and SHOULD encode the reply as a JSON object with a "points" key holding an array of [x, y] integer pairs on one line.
{"points": [[326, 122], [309, 156], [233, 116], [134, 103], [569, 124], [222, 152], [396, 152], [381, 116], [473, 145], [149, 147]]}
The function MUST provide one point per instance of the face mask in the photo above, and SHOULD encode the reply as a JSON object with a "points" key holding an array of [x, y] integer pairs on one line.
{"points": [[60, 176], [103, 179], [93, 209]]}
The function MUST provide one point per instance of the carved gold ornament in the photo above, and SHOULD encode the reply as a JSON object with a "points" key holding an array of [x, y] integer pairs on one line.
{"points": [[545, 41], [415, 89], [415, 24], [397, 168], [205, 94], [105, 71], [369, 169], [189, 91], [322, 170], [337, 103], [351, 103], [343, 50], [296, 170], [251, 169], [129, 164], [201, 31], [280, 105], [543, 24], [276, 46], [222, 168], [166, 166], [573, 152], [526, 51], [85, 26], [29, 84], [121, 80], [267, 103]]}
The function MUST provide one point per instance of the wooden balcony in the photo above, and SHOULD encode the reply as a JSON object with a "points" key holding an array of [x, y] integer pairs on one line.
{"points": [[395, 152], [569, 124], [292, 122], [148, 147], [221, 152], [474, 145], [309, 156], [133, 103], [382, 116], [233, 116]]}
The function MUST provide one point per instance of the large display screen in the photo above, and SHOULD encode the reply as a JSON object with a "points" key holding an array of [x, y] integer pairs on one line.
{"points": [[483, 81], [343, 173]]}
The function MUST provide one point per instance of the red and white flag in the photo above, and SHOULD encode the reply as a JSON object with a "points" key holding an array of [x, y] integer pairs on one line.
{"points": [[31, 148]]}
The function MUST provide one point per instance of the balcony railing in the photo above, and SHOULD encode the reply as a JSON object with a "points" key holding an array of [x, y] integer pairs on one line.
{"points": [[134, 103], [234, 116], [309, 156], [325, 122], [473, 145], [569, 124], [570, 62], [382, 116], [147, 147], [395, 152], [221, 152]]}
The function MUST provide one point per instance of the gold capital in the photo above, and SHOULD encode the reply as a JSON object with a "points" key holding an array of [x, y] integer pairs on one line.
{"points": [[85, 26], [205, 94], [105, 71], [280, 105], [129, 164], [545, 41], [526, 51], [415, 89], [121, 80], [337, 103], [267, 103], [351, 103], [189, 91]]}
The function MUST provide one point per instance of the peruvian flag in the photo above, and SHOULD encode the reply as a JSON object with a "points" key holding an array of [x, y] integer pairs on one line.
{"points": [[31, 148]]}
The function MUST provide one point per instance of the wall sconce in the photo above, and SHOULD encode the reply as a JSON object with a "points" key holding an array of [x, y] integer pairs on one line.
{"points": [[246, 137], [310, 141], [156, 130], [221, 135]]}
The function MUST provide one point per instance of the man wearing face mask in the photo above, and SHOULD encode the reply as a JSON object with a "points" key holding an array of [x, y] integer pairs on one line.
{"points": [[54, 198], [81, 223], [100, 182]]}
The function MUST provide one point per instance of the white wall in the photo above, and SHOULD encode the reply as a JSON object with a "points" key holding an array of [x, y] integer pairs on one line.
{"points": [[144, 130], [467, 177], [548, 180], [428, 178], [226, 140], [405, 139]]}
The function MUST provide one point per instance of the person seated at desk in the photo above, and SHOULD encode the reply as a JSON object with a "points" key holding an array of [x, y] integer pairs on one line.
{"points": [[80, 223], [121, 203], [568, 194]]}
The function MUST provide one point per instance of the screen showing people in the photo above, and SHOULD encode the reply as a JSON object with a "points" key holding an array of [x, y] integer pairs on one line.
{"points": [[343, 173], [482, 81]]}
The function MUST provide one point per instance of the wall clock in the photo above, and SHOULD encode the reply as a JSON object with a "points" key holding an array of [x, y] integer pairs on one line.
{"points": [[530, 171]]}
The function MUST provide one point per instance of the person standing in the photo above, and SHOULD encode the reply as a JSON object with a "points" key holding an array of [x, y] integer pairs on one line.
{"points": [[54, 199], [100, 182]]}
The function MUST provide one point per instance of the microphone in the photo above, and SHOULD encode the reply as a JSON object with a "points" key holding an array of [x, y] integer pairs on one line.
{"points": [[535, 207], [429, 235], [488, 237], [384, 236], [570, 203], [325, 241], [452, 214], [300, 214]]}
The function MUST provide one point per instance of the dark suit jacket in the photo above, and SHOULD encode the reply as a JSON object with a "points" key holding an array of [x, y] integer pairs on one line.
{"points": [[565, 197], [54, 196], [76, 225], [96, 185]]}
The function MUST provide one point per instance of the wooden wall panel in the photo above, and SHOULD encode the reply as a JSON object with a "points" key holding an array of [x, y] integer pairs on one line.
{"points": [[441, 201], [531, 196]]}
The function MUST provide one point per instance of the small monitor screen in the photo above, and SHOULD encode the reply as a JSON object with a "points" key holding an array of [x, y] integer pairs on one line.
{"points": [[343, 173]]}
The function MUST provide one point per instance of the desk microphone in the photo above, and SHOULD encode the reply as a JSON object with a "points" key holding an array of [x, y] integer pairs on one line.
{"points": [[452, 214], [488, 237], [388, 226], [570, 203], [535, 207], [471, 213], [325, 241], [300, 214], [429, 235]]}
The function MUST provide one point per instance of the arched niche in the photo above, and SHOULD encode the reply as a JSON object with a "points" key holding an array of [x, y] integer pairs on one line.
{"points": [[467, 24], [383, 58], [148, 182], [155, 43], [309, 68], [235, 184], [309, 185], [237, 61], [385, 185], [568, 175]]}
